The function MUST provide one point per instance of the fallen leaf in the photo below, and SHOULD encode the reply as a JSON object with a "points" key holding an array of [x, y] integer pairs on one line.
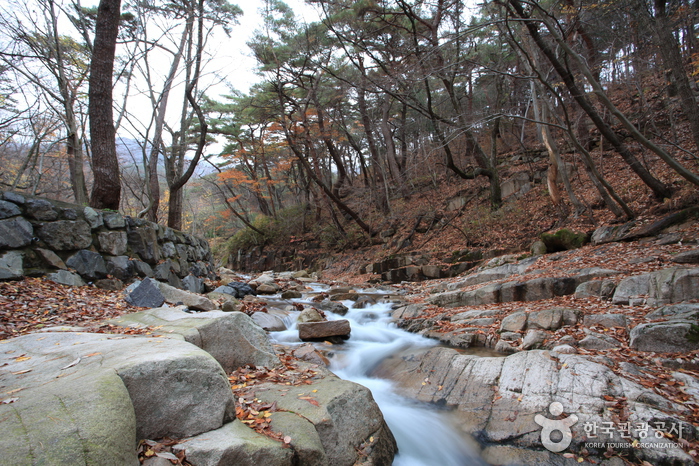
{"points": [[21, 372], [22, 358], [287, 439], [7, 401], [166, 455], [72, 364]]}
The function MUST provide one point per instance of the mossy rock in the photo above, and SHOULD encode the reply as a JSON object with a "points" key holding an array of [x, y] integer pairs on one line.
{"points": [[564, 240]]}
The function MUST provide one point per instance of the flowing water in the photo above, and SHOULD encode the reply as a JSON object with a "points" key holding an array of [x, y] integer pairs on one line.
{"points": [[425, 435]]}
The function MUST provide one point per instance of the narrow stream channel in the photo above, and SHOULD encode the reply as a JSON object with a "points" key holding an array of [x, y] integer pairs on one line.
{"points": [[425, 435]]}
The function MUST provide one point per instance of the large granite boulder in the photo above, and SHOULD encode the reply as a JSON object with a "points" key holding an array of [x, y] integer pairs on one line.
{"points": [[671, 285], [663, 337], [86, 399], [498, 399], [232, 338]]}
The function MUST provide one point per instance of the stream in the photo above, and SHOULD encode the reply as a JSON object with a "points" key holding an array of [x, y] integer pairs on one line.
{"points": [[425, 435]]}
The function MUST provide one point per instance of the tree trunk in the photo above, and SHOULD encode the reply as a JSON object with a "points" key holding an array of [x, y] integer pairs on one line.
{"points": [[106, 190]]}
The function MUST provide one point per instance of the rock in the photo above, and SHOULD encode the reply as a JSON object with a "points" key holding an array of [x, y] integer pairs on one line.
{"points": [[345, 418], [684, 311], [291, 294], [475, 314], [364, 302], [13, 197], [564, 240], [15, 233], [142, 269], [267, 288], [242, 289], [526, 383], [143, 241], [688, 257], [503, 346], [606, 320], [40, 209], [534, 339], [671, 285], [93, 217], [193, 284], [107, 391], [598, 342], [344, 297], [8, 209], [510, 336], [310, 315], [88, 264], [121, 267], [230, 306], [332, 306], [514, 322], [51, 258], [66, 278], [548, 319], [146, 294], [112, 242], [538, 248], [662, 337], [611, 233], [322, 330], [235, 443], [309, 353], [602, 288], [268, 322], [66, 235], [564, 349], [339, 290], [11, 266], [113, 220], [211, 331], [111, 284], [174, 295]]}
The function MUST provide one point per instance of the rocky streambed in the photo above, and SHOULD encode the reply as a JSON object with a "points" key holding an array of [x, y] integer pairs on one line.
{"points": [[510, 364]]}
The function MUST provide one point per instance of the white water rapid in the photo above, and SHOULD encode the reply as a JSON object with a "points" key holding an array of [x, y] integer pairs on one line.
{"points": [[425, 435]]}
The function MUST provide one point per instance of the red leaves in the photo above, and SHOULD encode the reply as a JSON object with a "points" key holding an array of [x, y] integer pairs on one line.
{"points": [[33, 303]]}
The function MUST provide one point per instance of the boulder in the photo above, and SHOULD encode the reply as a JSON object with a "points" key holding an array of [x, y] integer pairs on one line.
{"points": [[107, 391], [9, 209], [121, 267], [266, 288], [684, 311], [309, 353], [310, 315], [50, 258], [332, 306], [497, 399], [93, 217], [606, 320], [671, 285], [601, 288], [268, 322], [241, 289], [15, 233], [232, 338], [291, 294], [611, 233], [344, 416], [534, 339], [112, 242], [564, 240], [40, 209], [65, 277], [143, 241], [11, 265], [663, 337], [146, 294], [515, 322], [66, 235], [193, 284], [596, 341], [321, 330], [235, 443], [687, 257], [111, 284], [88, 264], [174, 295], [113, 220]]}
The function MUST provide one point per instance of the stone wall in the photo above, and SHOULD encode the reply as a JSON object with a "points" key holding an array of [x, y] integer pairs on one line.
{"points": [[74, 244]]}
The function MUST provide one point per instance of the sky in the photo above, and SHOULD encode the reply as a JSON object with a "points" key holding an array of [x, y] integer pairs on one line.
{"points": [[233, 56]]}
